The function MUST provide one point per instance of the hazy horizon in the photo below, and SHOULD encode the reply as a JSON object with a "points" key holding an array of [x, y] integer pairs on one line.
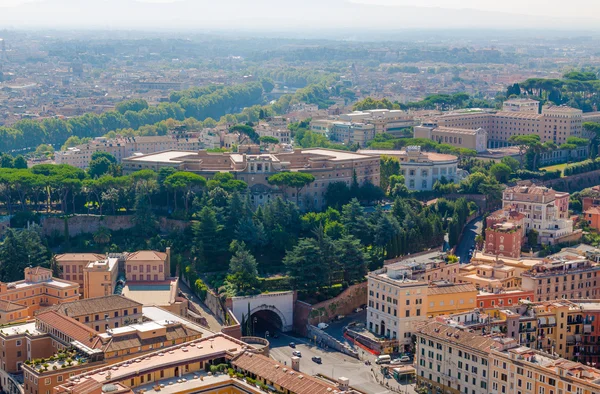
{"points": [[309, 15]]}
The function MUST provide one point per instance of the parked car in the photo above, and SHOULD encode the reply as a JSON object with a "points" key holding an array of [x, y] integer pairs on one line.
{"points": [[340, 317], [317, 359], [292, 344], [404, 359], [297, 353], [358, 310], [396, 361], [383, 359], [322, 326]]}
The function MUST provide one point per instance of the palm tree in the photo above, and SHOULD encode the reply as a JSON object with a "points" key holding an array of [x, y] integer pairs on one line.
{"points": [[102, 236]]}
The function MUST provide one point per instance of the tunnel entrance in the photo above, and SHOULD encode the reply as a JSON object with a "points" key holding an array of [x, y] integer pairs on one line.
{"points": [[262, 322]]}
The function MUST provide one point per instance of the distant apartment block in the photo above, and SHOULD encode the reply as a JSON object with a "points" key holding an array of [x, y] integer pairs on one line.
{"points": [[476, 139], [122, 147], [546, 211], [421, 170], [518, 117]]}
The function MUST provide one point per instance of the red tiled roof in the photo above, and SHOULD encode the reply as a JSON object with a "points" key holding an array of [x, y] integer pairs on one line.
{"points": [[145, 255], [7, 306], [294, 381], [70, 327]]}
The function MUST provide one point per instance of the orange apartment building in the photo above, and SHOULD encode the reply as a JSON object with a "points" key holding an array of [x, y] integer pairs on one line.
{"points": [[102, 313], [502, 298], [100, 277], [20, 300], [72, 265], [148, 266]]}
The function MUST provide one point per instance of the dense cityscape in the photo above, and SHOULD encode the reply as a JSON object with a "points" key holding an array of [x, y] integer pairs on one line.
{"points": [[227, 210]]}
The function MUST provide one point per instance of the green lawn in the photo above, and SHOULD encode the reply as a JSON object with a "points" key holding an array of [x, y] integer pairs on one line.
{"points": [[555, 167]]}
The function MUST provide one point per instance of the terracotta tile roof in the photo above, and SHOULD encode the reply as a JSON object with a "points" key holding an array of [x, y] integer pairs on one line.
{"points": [[271, 370], [456, 336], [462, 288], [70, 327], [147, 255], [91, 306], [133, 340], [39, 270], [592, 210], [79, 257], [7, 306]]}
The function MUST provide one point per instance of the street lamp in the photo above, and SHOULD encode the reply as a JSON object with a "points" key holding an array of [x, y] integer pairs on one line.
{"points": [[253, 323]]}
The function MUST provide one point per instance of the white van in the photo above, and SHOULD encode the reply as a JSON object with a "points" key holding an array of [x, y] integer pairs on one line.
{"points": [[385, 359]]}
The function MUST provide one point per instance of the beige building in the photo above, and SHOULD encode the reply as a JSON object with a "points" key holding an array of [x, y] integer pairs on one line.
{"points": [[326, 165], [554, 123], [100, 277], [517, 369], [122, 147], [559, 277], [476, 139], [452, 360], [396, 303]]}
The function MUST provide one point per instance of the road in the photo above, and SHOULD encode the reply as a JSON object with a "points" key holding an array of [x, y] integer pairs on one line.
{"points": [[472, 229], [334, 365]]}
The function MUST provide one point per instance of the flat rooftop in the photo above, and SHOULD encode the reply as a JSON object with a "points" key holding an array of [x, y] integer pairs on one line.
{"points": [[212, 347], [148, 293], [22, 328], [171, 156], [159, 314]]}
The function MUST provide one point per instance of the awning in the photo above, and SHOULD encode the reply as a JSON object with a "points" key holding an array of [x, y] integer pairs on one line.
{"points": [[542, 321]]}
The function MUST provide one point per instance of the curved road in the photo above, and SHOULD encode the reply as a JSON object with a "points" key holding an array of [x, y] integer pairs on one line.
{"points": [[472, 229]]}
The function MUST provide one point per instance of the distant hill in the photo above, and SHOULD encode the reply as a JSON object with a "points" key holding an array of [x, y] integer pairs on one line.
{"points": [[283, 15]]}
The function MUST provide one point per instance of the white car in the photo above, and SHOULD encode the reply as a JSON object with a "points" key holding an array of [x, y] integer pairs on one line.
{"points": [[297, 353], [358, 310], [322, 326]]}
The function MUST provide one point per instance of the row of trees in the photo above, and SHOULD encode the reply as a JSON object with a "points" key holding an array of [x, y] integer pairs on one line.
{"points": [[435, 101], [213, 102], [578, 89]]}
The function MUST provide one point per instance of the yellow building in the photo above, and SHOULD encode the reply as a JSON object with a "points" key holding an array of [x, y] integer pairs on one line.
{"points": [[444, 298], [100, 277]]}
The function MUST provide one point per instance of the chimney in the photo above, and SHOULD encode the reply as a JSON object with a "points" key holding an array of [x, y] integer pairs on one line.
{"points": [[168, 262], [296, 363], [343, 383]]}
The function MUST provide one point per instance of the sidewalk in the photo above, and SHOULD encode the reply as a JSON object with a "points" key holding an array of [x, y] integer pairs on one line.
{"points": [[390, 383]]}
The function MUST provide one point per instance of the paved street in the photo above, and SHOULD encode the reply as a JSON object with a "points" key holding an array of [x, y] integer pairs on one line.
{"points": [[472, 229], [334, 365]]}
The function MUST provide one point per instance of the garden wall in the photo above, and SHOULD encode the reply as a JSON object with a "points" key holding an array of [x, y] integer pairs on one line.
{"points": [[344, 304], [574, 183]]}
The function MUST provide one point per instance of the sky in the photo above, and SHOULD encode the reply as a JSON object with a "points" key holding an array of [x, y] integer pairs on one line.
{"points": [[302, 14]]}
